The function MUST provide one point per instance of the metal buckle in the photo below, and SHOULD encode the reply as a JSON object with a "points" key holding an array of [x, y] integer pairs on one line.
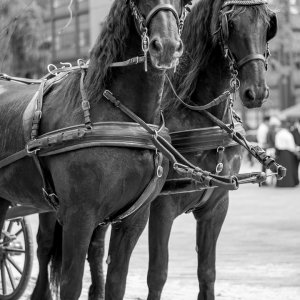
{"points": [[31, 151], [220, 148], [219, 168]]}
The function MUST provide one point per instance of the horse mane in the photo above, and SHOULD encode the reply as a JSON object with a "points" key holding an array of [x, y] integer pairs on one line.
{"points": [[199, 46], [201, 42], [109, 47]]}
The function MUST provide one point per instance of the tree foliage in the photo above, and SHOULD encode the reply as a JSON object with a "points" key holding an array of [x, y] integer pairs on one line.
{"points": [[22, 38]]}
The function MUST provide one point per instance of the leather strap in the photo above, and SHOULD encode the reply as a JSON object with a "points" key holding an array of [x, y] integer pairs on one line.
{"points": [[250, 57], [201, 139], [220, 99], [20, 79], [244, 3], [132, 61], [162, 7], [13, 158], [85, 104], [117, 134], [145, 196], [38, 111]]}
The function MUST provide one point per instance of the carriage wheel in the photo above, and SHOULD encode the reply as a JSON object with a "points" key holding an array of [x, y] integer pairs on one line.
{"points": [[16, 257]]}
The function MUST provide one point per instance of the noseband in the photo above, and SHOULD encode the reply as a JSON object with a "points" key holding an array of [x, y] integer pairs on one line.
{"points": [[224, 35], [142, 23]]}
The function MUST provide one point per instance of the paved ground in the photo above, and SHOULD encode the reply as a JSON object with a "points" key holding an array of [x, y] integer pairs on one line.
{"points": [[258, 251]]}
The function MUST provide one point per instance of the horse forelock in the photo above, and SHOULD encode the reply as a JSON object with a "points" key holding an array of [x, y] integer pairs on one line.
{"points": [[262, 12], [109, 47]]}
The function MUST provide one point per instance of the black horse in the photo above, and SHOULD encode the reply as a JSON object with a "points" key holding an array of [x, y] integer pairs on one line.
{"points": [[223, 39], [92, 183], [221, 43], [203, 74]]}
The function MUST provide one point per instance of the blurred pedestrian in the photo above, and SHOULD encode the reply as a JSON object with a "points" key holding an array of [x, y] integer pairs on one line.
{"points": [[286, 153], [295, 130], [262, 132], [261, 136], [274, 126]]}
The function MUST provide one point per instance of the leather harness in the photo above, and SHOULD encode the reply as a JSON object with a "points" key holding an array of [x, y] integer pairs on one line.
{"points": [[137, 135]]}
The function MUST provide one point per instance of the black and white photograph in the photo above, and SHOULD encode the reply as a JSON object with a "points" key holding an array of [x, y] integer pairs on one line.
{"points": [[149, 149]]}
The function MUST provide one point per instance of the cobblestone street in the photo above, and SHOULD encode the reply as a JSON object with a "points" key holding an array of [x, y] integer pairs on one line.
{"points": [[258, 253]]}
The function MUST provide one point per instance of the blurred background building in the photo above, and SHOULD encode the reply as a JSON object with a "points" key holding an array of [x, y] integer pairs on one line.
{"points": [[73, 26]]}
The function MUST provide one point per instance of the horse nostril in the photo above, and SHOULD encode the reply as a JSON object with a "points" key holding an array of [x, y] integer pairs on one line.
{"points": [[249, 94], [156, 46]]}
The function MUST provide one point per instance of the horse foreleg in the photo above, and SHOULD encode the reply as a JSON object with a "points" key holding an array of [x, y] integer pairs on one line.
{"points": [[95, 259], [45, 242], [124, 237], [209, 224], [77, 231], [160, 224]]}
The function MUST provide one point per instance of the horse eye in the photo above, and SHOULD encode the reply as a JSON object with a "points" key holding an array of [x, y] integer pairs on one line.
{"points": [[230, 25]]}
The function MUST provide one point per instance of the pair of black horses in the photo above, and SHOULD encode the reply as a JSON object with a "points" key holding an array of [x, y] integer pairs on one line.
{"points": [[225, 46]]}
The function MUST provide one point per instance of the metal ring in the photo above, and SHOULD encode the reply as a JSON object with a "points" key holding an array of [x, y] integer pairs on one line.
{"points": [[51, 68]]}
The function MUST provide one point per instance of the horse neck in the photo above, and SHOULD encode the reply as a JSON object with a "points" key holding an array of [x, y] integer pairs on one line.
{"points": [[212, 81], [138, 90]]}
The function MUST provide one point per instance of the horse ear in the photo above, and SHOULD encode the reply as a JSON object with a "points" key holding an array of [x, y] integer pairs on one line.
{"points": [[272, 30]]}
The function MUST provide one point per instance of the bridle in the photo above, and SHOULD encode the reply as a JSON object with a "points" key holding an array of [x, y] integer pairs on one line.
{"points": [[142, 23], [224, 36]]}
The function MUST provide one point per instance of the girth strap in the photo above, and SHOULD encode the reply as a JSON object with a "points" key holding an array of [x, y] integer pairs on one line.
{"points": [[146, 195]]}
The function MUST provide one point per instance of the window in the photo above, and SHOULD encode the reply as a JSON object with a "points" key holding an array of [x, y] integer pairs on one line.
{"points": [[59, 3], [64, 39], [84, 35]]}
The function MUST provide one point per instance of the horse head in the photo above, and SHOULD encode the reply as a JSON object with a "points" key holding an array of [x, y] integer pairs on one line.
{"points": [[245, 27], [160, 23]]}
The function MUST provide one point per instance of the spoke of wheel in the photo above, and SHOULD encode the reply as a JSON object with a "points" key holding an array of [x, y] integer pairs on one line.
{"points": [[11, 260], [3, 279], [18, 232], [11, 249], [9, 227], [11, 276]]}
